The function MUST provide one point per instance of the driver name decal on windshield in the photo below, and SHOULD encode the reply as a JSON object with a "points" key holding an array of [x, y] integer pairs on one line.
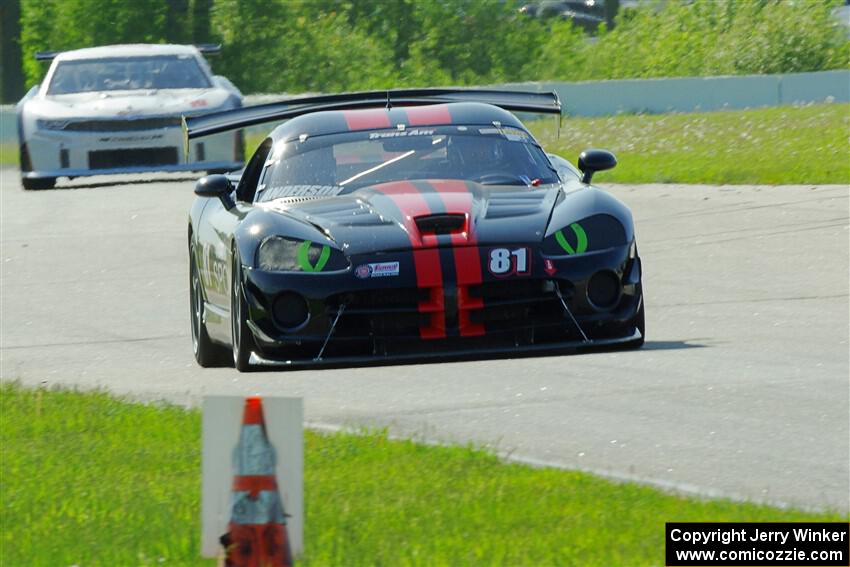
{"points": [[400, 134], [281, 191]]}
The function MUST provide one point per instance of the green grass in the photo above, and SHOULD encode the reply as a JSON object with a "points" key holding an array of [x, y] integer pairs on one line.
{"points": [[8, 154], [91, 480], [781, 145]]}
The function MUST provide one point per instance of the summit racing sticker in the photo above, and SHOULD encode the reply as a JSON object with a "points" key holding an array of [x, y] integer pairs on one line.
{"points": [[379, 270]]}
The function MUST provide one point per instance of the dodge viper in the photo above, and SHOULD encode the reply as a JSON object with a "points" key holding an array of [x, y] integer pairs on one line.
{"points": [[409, 223], [117, 109]]}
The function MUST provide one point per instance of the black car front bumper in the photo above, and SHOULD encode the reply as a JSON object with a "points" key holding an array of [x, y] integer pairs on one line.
{"points": [[349, 319]]}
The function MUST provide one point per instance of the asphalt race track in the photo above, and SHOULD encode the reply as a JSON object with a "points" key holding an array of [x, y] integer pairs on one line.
{"points": [[742, 389]]}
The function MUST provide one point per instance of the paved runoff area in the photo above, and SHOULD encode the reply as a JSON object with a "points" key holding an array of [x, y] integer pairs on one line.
{"points": [[741, 390]]}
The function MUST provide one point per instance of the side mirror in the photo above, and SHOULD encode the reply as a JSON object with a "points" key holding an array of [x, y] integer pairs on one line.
{"points": [[591, 161], [218, 186]]}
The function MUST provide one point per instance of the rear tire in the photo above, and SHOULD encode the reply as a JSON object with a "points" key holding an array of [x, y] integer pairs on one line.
{"points": [[207, 353], [243, 340], [37, 183]]}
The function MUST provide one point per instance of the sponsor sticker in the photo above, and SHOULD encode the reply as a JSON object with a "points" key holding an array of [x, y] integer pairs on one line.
{"points": [[401, 133], [378, 270]]}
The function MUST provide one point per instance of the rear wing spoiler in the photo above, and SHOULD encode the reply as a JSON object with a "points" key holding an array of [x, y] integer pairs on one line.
{"points": [[205, 48], [46, 55], [215, 122], [209, 48]]}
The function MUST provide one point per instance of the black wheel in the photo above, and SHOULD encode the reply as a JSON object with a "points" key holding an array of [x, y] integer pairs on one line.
{"points": [[38, 183], [640, 323], [207, 353], [243, 341]]}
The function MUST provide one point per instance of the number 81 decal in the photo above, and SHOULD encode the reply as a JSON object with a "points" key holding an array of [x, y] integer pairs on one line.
{"points": [[507, 261]]}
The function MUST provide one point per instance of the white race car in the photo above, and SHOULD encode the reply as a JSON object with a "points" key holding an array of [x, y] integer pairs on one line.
{"points": [[118, 109]]}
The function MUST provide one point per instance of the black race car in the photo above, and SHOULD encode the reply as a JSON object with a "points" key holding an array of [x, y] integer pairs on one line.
{"points": [[415, 223]]}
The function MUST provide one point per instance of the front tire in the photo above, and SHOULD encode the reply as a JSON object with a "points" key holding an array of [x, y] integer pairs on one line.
{"points": [[242, 339], [30, 183], [37, 183], [640, 324], [207, 353]]}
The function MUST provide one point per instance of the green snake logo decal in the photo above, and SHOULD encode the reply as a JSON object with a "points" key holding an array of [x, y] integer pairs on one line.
{"points": [[581, 240], [304, 257]]}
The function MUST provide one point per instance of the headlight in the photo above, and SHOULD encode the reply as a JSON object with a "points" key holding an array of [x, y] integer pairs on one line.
{"points": [[44, 124], [278, 254], [592, 233]]}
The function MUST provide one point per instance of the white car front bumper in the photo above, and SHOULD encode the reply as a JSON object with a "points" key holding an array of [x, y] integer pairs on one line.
{"points": [[100, 147]]}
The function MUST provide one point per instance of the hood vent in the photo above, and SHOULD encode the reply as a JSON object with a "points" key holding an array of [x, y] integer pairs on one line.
{"points": [[516, 204], [339, 211], [441, 224]]}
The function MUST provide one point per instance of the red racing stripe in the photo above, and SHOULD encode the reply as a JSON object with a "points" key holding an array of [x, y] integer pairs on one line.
{"points": [[428, 115], [468, 266], [429, 275], [370, 119], [426, 257], [458, 200], [412, 204]]}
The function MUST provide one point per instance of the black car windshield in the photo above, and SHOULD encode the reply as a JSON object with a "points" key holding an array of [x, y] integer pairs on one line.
{"points": [[128, 73], [340, 163]]}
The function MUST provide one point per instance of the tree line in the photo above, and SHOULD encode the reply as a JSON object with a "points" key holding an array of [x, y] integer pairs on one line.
{"points": [[341, 45]]}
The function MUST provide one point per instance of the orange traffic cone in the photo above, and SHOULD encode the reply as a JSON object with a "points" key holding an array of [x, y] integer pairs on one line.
{"points": [[257, 531]]}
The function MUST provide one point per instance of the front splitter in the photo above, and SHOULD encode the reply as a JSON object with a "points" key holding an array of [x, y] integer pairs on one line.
{"points": [[259, 361]]}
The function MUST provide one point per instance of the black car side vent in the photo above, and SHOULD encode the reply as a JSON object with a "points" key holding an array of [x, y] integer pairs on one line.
{"points": [[441, 224]]}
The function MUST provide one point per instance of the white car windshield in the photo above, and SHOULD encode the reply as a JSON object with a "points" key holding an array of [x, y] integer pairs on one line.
{"points": [[128, 73], [341, 163]]}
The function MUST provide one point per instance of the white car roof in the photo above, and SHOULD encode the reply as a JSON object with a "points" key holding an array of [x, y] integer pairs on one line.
{"points": [[127, 50]]}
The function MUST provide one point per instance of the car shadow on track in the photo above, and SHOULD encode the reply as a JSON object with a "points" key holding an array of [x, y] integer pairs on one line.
{"points": [[672, 345]]}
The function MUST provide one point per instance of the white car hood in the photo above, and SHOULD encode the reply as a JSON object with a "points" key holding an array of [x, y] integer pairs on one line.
{"points": [[128, 103]]}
